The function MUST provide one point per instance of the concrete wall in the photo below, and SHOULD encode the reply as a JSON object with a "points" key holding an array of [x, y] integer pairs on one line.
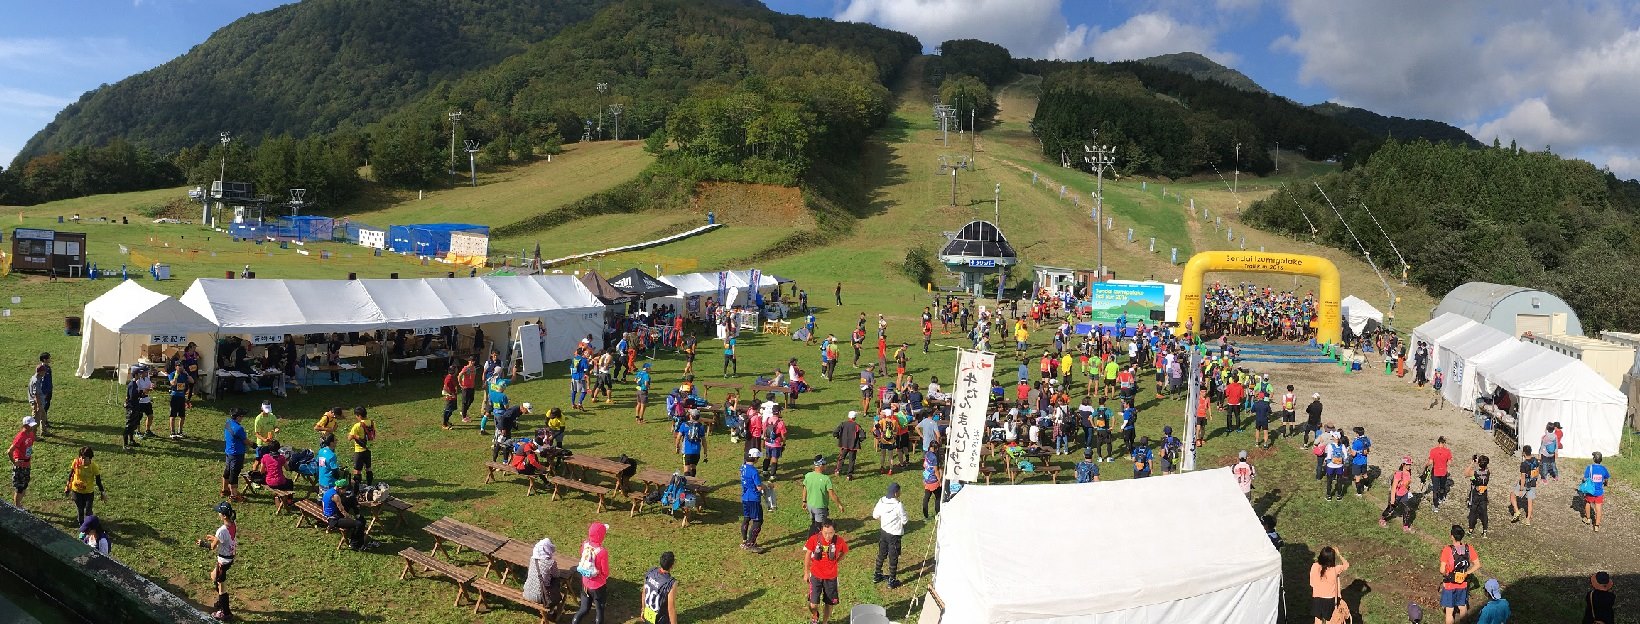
{"points": [[99, 589]]}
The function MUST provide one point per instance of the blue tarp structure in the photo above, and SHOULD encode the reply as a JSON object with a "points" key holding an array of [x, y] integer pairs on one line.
{"points": [[428, 239], [305, 229]]}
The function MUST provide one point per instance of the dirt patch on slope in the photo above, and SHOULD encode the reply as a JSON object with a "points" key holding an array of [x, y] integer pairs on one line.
{"points": [[752, 204]]}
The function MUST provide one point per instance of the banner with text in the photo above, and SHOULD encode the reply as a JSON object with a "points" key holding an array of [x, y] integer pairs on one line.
{"points": [[1110, 301], [970, 398]]}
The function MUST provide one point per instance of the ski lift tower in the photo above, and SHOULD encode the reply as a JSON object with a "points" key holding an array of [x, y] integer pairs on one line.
{"points": [[297, 202], [472, 163]]}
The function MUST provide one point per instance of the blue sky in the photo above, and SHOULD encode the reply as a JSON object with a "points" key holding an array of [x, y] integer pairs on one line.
{"points": [[1559, 73]]}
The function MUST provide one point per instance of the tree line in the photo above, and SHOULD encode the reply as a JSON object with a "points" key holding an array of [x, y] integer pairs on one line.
{"points": [[1501, 214]]}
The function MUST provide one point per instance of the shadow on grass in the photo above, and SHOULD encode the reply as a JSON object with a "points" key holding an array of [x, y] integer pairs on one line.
{"points": [[323, 615], [721, 608]]}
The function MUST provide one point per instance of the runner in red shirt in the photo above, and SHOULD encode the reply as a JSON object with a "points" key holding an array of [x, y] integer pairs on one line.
{"points": [[825, 550], [1440, 482], [1233, 396]]}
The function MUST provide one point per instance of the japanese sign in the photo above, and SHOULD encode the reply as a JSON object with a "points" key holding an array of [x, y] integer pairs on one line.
{"points": [[262, 339], [167, 339], [970, 398]]}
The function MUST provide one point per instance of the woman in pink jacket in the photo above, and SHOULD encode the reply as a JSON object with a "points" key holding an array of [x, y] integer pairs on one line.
{"points": [[594, 569]]}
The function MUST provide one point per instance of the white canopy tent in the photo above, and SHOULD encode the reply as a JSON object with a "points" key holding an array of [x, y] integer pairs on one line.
{"points": [[1357, 312], [127, 317], [1456, 355], [1551, 387], [1499, 357], [1433, 330], [1224, 571]]}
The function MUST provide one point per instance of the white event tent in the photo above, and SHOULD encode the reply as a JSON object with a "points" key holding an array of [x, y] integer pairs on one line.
{"points": [[566, 308], [1357, 312], [128, 316], [1431, 332], [1456, 355], [1550, 387], [1223, 569]]}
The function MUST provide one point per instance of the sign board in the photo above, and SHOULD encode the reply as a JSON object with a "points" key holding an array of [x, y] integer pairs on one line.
{"points": [[529, 350], [375, 239], [723, 288], [425, 331], [262, 339], [469, 245], [33, 234], [970, 398], [1109, 301], [982, 263], [167, 339]]}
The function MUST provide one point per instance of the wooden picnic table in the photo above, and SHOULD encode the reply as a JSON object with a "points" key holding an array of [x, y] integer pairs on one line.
{"points": [[517, 553], [706, 386], [463, 535], [599, 464], [399, 508]]}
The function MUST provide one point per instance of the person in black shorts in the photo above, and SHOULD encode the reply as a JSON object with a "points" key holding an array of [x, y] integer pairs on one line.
{"points": [[1261, 420]]}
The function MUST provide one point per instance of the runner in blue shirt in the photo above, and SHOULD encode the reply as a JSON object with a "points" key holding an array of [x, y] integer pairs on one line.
{"points": [[1595, 478], [1360, 448], [692, 440], [1142, 458], [642, 379], [233, 446], [751, 502], [1130, 422], [578, 381]]}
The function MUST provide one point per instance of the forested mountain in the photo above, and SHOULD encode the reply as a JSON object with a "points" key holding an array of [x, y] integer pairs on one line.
{"points": [[1203, 68], [307, 67], [742, 90], [1495, 214], [1384, 126]]}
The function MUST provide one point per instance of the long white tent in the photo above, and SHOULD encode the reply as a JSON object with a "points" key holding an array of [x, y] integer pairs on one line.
{"points": [[1432, 331], [1550, 387], [128, 316], [1201, 557], [1457, 353]]}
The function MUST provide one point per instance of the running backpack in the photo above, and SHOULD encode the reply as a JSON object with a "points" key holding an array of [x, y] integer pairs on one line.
{"points": [[1460, 564], [693, 432]]}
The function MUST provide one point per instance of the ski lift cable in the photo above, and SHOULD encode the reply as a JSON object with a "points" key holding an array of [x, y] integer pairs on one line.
{"points": [[1358, 244], [1313, 229], [1392, 246]]}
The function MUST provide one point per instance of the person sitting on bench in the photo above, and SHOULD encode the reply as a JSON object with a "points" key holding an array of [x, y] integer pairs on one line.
{"points": [[273, 467], [341, 513]]}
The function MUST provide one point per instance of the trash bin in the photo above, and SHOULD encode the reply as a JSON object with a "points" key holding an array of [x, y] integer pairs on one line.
{"points": [[71, 325], [162, 271]]}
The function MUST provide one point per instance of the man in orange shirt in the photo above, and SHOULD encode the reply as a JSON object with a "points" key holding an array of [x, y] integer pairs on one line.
{"points": [[1204, 407], [1458, 562]]}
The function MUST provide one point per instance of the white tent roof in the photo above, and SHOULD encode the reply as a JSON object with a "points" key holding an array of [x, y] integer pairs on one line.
{"points": [[1435, 328], [1470, 341], [319, 306], [693, 284], [131, 309], [1551, 375], [1223, 569], [1357, 312], [1555, 388]]}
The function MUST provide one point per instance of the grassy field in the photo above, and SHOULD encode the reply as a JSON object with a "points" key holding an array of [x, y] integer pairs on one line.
{"points": [[160, 495]]}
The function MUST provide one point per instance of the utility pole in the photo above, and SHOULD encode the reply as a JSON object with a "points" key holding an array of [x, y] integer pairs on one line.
{"points": [[222, 173], [472, 163], [455, 118], [1099, 158], [615, 114], [996, 206], [972, 131], [953, 186], [1278, 157]]}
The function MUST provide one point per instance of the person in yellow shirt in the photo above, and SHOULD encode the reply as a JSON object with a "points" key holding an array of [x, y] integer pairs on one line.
{"points": [[264, 426], [81, 475], [1022, 337], [1066, 364], [1111, 369], [327, 422], [362, 433]]}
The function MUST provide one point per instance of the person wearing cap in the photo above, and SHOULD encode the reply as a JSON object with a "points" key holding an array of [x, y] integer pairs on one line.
{"points": [[1244, 473], [362, 433], [642, 380], [40, 391], [341, 515], [1496, 610], [451, 392], [137, 404], [818, 493], [181, 382], [1400, 496], [233, 447], [224, 543], [1600, 604], [891, 516], [1458, 562], [752, 489], [850, 435], [263, 427], [774, 440], [93, 534], [21, 453], [1360, 449]]}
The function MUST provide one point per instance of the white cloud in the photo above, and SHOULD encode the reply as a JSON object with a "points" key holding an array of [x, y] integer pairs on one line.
{"points": [[1038, 28], [1560, 73], [24, 99], [52, 54]]}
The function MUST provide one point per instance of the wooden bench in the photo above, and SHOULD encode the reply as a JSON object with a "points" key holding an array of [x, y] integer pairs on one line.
{"points": [[487, 587], [561, 483], [460, 575], [312, 511], [493, 467], [987, 471], [397, 506], [282, 499]]}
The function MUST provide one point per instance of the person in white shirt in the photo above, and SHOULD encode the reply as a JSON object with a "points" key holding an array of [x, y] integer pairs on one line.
{"points": [[1244, 473], [891, 514]]}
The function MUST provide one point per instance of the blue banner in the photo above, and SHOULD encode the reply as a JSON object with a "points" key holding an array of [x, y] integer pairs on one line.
{"points": [[723, 288]]}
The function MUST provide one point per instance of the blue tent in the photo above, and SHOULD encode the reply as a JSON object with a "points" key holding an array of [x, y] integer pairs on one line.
{"points": [[428, 239]]}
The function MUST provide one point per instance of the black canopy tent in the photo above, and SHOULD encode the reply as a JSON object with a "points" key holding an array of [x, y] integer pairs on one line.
{"points": [[642, 285]]}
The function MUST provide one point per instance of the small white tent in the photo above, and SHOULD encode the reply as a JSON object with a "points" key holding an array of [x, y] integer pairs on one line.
{"points": [[125, 318], [1433, 330], [1551, 387], [1357, 312], [1221, 570]]}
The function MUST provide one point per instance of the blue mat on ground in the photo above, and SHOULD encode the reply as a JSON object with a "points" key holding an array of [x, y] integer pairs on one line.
{"points": [[1288, 360]]}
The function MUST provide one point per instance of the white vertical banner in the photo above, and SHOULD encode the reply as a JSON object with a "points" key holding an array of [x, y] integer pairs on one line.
{"points": [[969, 398]]}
